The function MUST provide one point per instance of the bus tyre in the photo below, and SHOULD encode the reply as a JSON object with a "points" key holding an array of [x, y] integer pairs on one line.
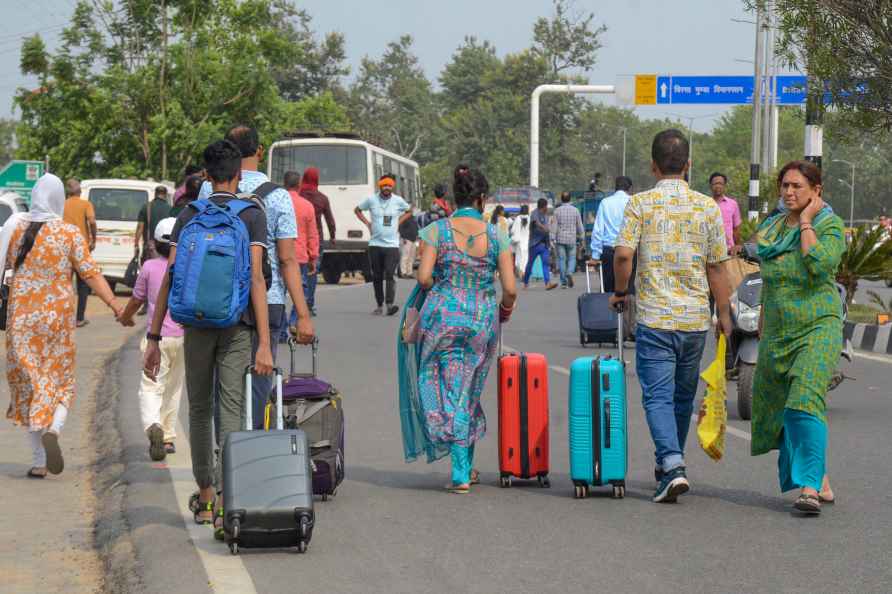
{"points": [[332, 277]]}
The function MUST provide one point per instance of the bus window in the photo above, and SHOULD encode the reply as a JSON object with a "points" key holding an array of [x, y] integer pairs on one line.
{"points": [[115, 204], [338, 165]]}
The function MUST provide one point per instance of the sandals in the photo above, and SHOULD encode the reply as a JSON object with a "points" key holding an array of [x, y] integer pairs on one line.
{"points": [[34, 474], [808, 504], [219, 531], [201, 507], [459, 489], [475, 476]]}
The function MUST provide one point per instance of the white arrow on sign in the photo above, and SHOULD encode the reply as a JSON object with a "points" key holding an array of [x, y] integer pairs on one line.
{"points": [[663, 89]]}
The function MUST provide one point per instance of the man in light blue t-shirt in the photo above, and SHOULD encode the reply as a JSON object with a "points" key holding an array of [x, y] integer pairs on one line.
{"points": [[387, 212]]}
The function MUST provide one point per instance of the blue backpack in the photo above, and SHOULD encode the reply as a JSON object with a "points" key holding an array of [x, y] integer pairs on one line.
{"points": [[211, 277]]}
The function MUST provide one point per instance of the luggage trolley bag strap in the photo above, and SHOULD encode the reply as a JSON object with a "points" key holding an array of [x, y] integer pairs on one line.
{"points": [[249, 417]]}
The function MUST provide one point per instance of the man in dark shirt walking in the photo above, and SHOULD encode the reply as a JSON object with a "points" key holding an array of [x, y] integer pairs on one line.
{"points": [[540, 240], [309, 189], [147, 220]]}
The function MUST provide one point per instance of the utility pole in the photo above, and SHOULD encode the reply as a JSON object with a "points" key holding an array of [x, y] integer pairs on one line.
{"points": [[753, 207], [624, 151], [768, 90], [163, 88], [814, 105], [851, 189]]}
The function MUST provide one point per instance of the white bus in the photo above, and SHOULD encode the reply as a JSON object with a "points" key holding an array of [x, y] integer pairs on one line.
{"points": [[348, 172]]}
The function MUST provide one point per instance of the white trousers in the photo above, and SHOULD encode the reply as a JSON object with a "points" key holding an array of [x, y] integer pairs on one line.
{"points": [[159, 400], [38, 453], [407, 257]]}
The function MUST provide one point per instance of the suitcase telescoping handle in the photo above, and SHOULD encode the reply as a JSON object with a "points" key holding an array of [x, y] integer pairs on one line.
{"points": [[588, 282], [249, 414], [293, 344], [620, 308]]}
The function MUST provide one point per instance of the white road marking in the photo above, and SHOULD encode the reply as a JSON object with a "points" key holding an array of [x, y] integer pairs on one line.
{"points": [[226, 573], [728, 428]]}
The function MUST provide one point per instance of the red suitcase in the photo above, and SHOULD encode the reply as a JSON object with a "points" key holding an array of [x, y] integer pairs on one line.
{"points": [[523, 418]]}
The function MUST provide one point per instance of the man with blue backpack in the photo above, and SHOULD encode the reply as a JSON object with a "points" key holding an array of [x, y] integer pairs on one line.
{"points": [[281, 233], [217, 291]]}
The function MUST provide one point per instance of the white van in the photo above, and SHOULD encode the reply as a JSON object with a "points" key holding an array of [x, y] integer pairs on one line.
{"points": [[117, 203], [10, 204]]}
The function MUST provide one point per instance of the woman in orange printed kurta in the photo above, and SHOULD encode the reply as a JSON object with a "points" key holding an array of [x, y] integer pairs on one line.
{"points": [[40, 351]]}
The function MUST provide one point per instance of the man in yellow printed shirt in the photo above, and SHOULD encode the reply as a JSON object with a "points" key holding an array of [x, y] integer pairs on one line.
{"points": [[680, 239]]}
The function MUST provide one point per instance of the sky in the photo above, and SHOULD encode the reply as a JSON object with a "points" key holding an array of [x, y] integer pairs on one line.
{"points": [[643, 36]]}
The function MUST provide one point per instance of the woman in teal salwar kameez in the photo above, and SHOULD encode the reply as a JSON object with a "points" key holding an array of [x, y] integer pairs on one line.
{"points": [[800, 250], [443, 375]]}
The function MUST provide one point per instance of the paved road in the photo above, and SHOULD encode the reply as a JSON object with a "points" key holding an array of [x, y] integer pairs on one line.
{"points": [[392, 528], [879, 287]]}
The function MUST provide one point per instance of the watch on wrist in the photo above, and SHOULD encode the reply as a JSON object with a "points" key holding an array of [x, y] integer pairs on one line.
{"points": [[155, 337]]}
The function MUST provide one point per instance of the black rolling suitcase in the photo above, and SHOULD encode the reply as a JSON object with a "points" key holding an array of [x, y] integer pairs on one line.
{"points": [[267, 484], [598, 322]]}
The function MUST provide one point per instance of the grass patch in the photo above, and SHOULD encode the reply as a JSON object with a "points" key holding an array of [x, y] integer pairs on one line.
{"points": [[862, 314]]}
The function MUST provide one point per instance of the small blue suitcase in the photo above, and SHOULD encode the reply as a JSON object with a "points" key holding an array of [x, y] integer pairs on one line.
{"points": [[598, 424]]}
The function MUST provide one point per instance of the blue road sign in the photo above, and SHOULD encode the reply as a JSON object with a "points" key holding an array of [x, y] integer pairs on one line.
{"points": [[725, 90], [664, 89], [711, 89]]}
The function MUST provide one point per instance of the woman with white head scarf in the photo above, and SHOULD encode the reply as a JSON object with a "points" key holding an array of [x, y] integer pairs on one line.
{"points": [[41, 249]]}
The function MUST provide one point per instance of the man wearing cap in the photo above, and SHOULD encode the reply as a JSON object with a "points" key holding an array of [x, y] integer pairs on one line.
{"points": [[148, 218], [387, 212]]}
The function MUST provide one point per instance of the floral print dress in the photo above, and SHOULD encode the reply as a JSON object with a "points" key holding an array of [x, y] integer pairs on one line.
{"points": [[459, 323], [41, 320]]}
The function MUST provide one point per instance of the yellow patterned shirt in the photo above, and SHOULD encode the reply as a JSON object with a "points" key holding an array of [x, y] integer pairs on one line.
{"points": [[676, 232]]}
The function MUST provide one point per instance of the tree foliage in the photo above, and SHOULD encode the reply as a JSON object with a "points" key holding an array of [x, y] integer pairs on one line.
{"points": [[121, 98], [848, 45], [7, 141]]}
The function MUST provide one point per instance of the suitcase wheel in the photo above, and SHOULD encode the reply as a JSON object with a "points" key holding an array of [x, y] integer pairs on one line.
{"points": [[325, 497], [619, 491], [581, 491], [302, 546], [233, 537], [543, 481], [582, 338], [504, 481]]}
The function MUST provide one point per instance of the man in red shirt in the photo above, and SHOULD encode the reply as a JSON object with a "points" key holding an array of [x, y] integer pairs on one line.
{"points": [[306, 246]]}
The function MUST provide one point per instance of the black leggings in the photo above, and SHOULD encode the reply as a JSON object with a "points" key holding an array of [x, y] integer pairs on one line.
{"points": [[383, 261]]}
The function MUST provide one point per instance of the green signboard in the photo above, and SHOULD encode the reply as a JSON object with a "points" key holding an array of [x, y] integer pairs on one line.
{"points": [[20, 176]]}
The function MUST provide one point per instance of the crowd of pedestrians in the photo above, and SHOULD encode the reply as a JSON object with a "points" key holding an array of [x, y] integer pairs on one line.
{"points": [[670, 239]]}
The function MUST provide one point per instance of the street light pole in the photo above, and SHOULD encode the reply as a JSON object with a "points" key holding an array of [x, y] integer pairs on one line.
{"points": [[852, 190], [624, 151]]}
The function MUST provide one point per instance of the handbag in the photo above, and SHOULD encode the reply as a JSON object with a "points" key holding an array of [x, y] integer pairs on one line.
{"points": [[132, 272], [713, 415], [4, 304], [411, 332]]}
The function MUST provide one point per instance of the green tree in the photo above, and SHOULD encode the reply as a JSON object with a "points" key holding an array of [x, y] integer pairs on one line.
{"points": [[138, 90], [392, 102], [7, 141], [852, 55]]}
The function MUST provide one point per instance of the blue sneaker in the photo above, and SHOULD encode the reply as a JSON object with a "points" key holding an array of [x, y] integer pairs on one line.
{"points": [[673, 484]]}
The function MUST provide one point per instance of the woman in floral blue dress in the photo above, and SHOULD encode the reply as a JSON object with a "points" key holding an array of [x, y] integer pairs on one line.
{"points": [[459, 323]]}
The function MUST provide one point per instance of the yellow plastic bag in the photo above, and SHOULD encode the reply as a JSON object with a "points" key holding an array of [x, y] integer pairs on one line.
{"points": [[713, 412]]}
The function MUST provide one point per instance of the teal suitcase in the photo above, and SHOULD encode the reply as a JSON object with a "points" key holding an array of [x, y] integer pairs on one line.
{"points": [[598, 427]]}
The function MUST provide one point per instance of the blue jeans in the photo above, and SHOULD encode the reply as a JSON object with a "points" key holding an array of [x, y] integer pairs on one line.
{"points": [[668, 366], [261, 385], [540, 250], [310, 281], [566, 255], [305, 280]]}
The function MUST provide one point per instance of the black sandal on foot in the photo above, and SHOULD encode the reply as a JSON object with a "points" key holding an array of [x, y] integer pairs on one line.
{"points": [[36, 475], [808, 504], [202, 507]]}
